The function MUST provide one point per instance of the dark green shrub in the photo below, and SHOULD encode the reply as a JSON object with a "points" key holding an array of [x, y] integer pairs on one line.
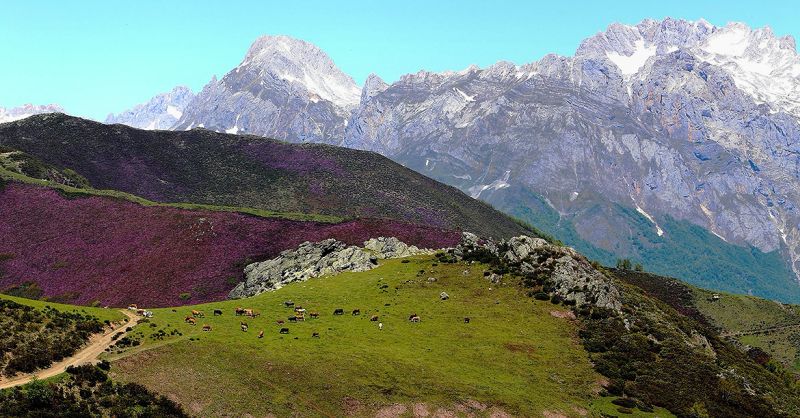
{"points": [[541, 296]]}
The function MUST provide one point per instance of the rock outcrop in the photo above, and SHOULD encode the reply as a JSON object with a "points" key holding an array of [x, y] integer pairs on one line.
{"points": [[307, 261], [317, 259], [391, 247], [563, 270]]}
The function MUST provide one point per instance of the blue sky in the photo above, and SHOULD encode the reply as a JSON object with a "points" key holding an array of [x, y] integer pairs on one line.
{"points": [[96, 57]]}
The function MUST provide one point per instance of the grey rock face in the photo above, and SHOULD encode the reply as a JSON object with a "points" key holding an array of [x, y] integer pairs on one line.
{"points": [[307, 261], [572, 276], [318, 259], [391, 247], [284, 88], [161, 112], [661, 117]]}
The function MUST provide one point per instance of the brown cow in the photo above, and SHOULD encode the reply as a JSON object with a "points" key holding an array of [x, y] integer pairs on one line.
{"points": [[190, 320], [239, 311], [280, 321], [374, 318], [206, 327], [197, 313], [261, 334], [314, 315]]}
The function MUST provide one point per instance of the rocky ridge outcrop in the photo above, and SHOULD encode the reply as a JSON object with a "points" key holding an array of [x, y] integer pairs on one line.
{"points": [[562, 270], [316, 259]]}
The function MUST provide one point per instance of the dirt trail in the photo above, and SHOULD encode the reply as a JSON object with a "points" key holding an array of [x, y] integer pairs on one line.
{"points": [[97, 345]]}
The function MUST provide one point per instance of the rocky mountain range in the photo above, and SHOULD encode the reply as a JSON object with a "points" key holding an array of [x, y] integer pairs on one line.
{"points": [[673, 143], [161, 112], [22, 112]]}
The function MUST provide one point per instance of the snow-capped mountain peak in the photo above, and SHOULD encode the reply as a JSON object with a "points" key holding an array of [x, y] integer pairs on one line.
{"points": [[297, 61], [763, 65], [160, 112], [22, 112]]}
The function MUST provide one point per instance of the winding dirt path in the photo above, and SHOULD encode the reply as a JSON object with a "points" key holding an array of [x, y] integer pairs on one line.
{"points": [[88, 354]]}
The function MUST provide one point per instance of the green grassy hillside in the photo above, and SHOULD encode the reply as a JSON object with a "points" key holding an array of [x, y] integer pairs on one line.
{"points": [[771, 326], [513, 357]]}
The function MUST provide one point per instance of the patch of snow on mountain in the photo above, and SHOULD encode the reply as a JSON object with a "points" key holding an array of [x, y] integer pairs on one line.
{"points": [[659, 231], [630, 64], [475, 191], [467, 98]]}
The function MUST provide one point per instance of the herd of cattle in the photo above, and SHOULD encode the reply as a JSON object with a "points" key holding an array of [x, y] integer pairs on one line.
{"points": [[298, 315]]}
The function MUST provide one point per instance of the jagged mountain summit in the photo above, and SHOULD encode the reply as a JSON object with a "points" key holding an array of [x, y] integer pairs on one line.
{"points": [[647, 132], [670, 142], [161, 112], [22, 112], [284, 88], [761, 64]]}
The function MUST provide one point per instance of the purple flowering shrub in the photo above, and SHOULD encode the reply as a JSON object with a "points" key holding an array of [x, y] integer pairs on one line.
{"points": [[115, 252]]}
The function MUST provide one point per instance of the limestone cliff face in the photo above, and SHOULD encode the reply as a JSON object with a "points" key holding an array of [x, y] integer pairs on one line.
{"points": [[647, 123]]}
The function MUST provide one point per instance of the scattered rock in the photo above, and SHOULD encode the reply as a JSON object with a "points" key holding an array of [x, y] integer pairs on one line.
{"points": [[431, 279], [391, 247], [563, 314]]}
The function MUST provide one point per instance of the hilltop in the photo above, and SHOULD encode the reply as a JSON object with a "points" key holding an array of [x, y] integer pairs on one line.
{"points": [[205, 167]]}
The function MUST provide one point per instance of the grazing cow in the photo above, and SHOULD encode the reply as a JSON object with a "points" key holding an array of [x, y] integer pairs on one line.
{"points": [[300, 317], [412, 316], [190, 320], [415, 319], [373, 318], [197, 313], [314, 315], [288, 303], [466, 320], [239, 311], [315, 335], [217, 312], [356, 312], [244, 327], [248, 312], [280, 322], [206, 327], [261, 334], [284, 330], [292, 319], [380, 326], [338, 312]]}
